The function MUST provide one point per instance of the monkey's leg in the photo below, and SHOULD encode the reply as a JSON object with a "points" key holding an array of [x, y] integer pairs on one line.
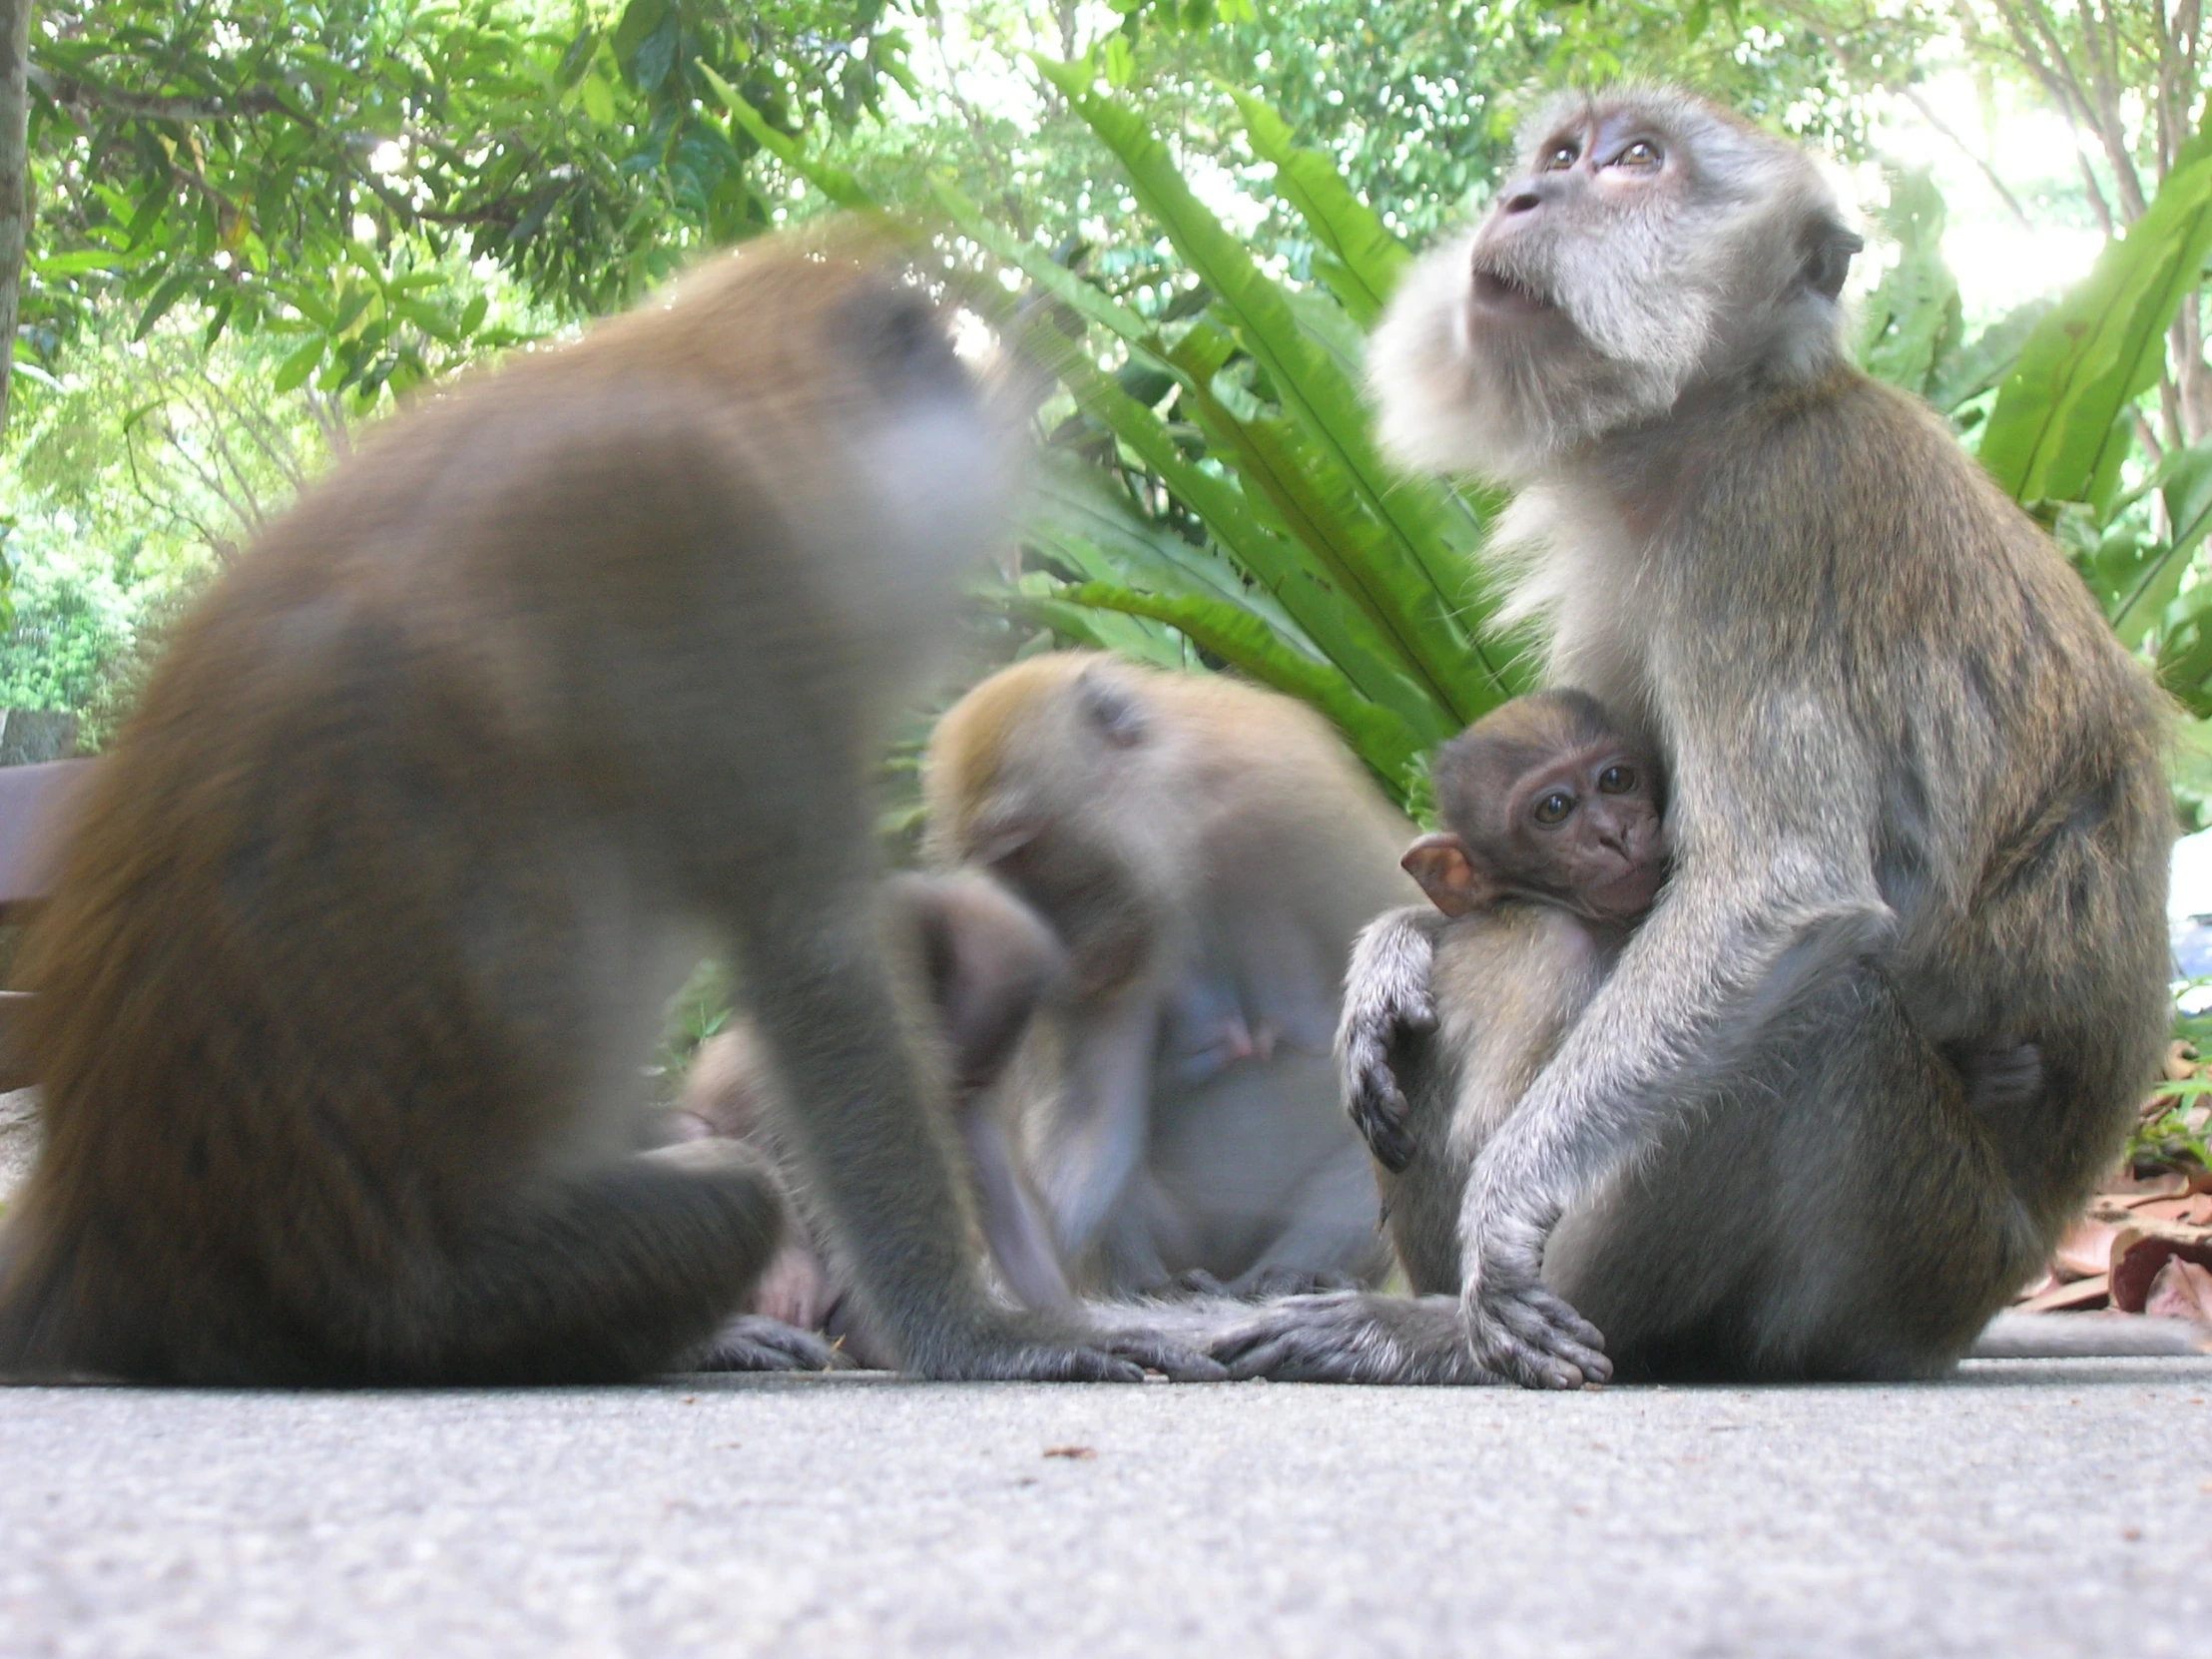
{"points": [[1842, 1214], [604, 1278], [881, 1164]]}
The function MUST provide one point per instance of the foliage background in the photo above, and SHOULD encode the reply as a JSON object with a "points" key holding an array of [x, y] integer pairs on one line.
{"points": [[257, 224]]}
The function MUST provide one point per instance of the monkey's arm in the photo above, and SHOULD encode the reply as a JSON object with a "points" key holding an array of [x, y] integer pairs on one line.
{"points": [[1385, 996]]}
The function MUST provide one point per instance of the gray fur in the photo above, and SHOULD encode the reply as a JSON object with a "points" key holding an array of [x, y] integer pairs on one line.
{"points": [[1917, 799]]}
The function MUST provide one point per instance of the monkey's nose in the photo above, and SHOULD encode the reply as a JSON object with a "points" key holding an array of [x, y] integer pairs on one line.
{"points": [[1522, 200]]}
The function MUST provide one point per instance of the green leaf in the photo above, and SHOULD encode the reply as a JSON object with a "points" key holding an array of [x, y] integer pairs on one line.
{"points": [[1365, 261], [299, 363], [598, 99], [834, 182], [170, 290], [1965, 372], [1326, 403], [2056, 432], [2184, 483], [218, 323], [1912, 318]]}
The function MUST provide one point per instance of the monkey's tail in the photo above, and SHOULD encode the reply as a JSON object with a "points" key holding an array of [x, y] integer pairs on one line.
{"points": [[2090, 1337]]}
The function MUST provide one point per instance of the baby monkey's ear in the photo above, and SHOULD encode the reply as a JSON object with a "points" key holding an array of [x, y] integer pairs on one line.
{"points": [[1450, 874]]}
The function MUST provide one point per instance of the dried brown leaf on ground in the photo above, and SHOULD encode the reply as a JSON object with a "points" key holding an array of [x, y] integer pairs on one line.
{"points": [[2139, 1251], [2182, 1289], [2053, 1297]]}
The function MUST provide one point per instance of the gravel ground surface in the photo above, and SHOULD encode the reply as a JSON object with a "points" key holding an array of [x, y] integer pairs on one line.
{"points": [[2023, 1509]]}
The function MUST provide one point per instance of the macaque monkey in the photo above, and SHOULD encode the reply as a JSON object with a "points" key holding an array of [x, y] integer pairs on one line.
{"points": [[987, 960], [367, 927], [1917, 808], [1553, 847], [1205, 851]]}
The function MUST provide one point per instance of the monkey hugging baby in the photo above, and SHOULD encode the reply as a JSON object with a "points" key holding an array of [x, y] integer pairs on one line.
{"points": [[577, 671]]}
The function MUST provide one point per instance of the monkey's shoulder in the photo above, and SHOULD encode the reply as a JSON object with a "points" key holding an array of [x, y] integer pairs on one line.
{"points": [[1514, 965]]}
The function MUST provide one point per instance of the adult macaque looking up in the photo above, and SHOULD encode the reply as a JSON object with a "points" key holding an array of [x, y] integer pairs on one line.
{"points": [[1553, 846], [369, 919], [1916, 801], [988, 961], [1206, 851]]}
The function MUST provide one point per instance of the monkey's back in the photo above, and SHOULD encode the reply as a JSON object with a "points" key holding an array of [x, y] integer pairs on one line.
{"points": [[2016, 813]]}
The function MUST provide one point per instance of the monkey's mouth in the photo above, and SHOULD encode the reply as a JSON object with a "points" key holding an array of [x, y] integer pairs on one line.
{"points": [[1494, 292]]}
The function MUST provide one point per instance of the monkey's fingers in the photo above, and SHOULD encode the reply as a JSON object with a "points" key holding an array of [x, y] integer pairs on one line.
{"points": [[754, 1341], [1380, 1112]]}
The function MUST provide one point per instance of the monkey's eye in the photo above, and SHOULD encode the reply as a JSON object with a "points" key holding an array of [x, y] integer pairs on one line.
{"points": [[1558, 159], [1643, 152], [1554, 807], [1617, 779]]}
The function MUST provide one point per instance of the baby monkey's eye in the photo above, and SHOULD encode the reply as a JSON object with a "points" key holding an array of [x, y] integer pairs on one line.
{"points": [[1643, 152], [1554, 807], [1617, 779], [1558, 159]]}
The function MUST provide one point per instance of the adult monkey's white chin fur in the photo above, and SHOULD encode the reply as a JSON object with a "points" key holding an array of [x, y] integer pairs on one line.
{"points": [[1460, 388]]}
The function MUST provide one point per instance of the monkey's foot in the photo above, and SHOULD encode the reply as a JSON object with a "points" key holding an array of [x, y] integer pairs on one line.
{"points": [[1353, 1338], [754, 1341], [1076, 1357], [1530, 1336]]}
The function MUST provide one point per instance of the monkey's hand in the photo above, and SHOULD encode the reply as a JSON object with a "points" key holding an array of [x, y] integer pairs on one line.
{"points": [[1515, 1327], [1354, 1337], [1387, 999]]}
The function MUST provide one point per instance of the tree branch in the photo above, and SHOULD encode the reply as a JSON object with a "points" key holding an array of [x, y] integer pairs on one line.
{"points": [[73, 94]]}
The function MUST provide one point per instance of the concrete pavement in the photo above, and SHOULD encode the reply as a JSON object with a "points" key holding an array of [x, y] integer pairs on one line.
{"points": [[2025, 1508]]}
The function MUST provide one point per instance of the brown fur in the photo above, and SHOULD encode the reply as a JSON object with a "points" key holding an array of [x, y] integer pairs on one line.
{"points": [[1205, 850], [365, 933]]}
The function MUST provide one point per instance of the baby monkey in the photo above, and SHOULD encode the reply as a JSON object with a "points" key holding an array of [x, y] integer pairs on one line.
{"points": [[1553, 849]]}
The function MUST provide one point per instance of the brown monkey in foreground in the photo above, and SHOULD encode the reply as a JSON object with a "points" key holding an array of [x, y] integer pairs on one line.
{"points": [[1916, 801], [1206, 851], [987, 961], [1553, 847], [369, 921]]}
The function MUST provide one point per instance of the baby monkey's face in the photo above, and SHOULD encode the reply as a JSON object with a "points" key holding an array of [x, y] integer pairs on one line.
{"points": [[1585, 831]]}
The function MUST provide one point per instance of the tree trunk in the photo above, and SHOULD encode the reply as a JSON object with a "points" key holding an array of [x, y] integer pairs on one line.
{"points": [[15, 196]]}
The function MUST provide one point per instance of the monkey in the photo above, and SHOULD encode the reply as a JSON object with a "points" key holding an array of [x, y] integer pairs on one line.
{"points": [[988, 961], [363, 936], [1553, 847], [1205, 851], [1916, 801]]}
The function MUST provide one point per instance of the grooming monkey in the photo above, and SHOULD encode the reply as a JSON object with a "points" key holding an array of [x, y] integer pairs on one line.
{"points": [[1205, 851], [1553, 847], [987, 961], [1915, 802], [369, 921]]}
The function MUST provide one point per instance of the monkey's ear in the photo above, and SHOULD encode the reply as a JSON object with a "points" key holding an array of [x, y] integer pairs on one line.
{"points": [[1118, 715], [1449, 874], [1828, 262]]}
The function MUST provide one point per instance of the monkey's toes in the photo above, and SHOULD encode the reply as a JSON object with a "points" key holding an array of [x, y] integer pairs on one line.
{"points": [[1536, 1339], [1172, 1360], [754, 1341]]}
